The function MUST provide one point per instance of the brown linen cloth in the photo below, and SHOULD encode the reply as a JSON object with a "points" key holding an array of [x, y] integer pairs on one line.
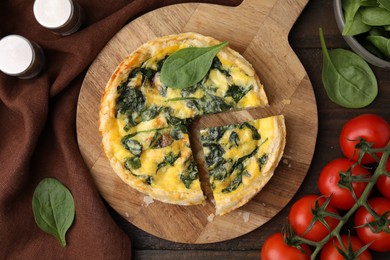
{"points": [[38, 137]]}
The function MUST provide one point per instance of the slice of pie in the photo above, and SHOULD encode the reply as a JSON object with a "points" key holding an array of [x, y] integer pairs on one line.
{"points": [[144, 122], [241, 159]]}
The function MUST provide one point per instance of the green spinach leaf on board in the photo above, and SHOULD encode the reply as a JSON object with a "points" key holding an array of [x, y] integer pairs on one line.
{"points": [[53, 208], [347, 78], [353, 18], [188, 66]]}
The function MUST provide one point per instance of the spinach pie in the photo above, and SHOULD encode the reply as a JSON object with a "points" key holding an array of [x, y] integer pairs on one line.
{"points": [[144, 122]]}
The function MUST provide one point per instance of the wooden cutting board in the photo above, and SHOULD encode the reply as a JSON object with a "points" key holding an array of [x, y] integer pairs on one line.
{"points": [[258, 29]]}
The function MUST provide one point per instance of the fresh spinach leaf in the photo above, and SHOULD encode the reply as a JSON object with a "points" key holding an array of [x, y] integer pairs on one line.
{"points": [[53, 208], [190, 174], [374, 50], [385, 4], [375, 16], [132, 145], [378, 31], [347, 78], [188, 66], [133, 163], [369, 3], [381, 43], [169, 159], [353, 18]]}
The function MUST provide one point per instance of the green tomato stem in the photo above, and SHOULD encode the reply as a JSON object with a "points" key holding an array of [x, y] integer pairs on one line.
{"points": [[362, 201]]}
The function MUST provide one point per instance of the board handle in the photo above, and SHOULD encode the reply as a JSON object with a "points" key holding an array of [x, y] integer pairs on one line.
{"points": [[286, 12]]}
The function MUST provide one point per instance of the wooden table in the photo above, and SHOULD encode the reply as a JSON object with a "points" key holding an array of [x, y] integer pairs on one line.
{"points": [[305, 41]]}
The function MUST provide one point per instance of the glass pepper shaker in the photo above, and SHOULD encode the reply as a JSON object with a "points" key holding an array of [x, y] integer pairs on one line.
{"points": [[62, 17], [20, 57]]}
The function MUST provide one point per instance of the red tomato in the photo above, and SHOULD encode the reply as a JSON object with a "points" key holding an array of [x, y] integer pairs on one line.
{"points": [[301, 215], [383, 182], [372, 128], [328, 183], [329, 251], [381, 240], [275, 248]]}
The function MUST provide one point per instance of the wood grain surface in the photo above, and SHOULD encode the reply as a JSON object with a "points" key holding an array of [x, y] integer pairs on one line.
{"points": [[264, 42]]}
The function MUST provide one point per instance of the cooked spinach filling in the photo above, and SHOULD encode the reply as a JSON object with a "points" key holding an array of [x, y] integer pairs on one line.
{"points": [[237, 92], [169, 159], [214, 134], [132, 145], [221, 169], [262, 161], [130, 100], [132, 107], [190, 174]]}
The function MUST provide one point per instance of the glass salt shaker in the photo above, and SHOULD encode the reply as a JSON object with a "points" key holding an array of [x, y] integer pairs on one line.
{"points": [[62, 17], [20, 57]]}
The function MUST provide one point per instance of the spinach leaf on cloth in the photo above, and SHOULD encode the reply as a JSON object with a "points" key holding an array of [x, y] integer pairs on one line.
{"points": [[347, 78], [53, 208]]}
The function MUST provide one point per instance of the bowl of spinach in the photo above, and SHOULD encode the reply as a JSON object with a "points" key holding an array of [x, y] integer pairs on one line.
{"points": [[365, 26]]}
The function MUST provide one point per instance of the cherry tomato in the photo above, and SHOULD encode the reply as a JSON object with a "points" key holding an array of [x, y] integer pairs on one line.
{"points": [[381, 240], [372, 128], [328, 183], [300, 217], [275, 248], [383, 182], [329, 251]]}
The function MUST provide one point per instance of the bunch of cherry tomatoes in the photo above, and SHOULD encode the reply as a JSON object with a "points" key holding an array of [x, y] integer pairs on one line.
{"points": [[315, 221]]}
